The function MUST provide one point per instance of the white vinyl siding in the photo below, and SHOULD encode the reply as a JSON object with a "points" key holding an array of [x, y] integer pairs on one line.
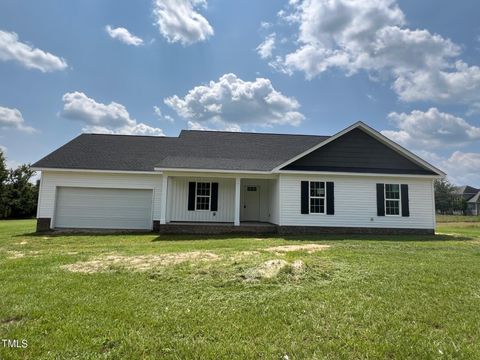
{"points": [[52, 180], [177, 205], [101, 208], [356, 202]]}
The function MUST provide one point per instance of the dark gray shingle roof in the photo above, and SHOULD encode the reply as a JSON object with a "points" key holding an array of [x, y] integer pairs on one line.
{"points": [[466, 191], [215, 150]]}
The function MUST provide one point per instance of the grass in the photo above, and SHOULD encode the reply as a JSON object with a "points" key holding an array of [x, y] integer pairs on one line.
{"points": [[399, 297], [457, 218]]}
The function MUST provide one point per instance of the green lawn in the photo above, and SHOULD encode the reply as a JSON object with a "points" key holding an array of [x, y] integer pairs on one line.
{"points": [[363, 297], [457, 218]]}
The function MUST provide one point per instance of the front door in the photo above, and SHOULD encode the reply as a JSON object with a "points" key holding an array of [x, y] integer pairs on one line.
{"points": [[251, 203]]}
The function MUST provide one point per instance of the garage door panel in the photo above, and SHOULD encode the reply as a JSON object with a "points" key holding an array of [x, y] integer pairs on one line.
{"points": [[103, 208]]}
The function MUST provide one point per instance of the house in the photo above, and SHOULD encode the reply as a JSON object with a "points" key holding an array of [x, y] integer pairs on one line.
{"points": [[472, 196], [215, 182]]}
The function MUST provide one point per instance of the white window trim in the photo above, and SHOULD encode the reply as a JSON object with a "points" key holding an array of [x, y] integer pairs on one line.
{"points": [[318, 197], [399, 199], [209, 196]]}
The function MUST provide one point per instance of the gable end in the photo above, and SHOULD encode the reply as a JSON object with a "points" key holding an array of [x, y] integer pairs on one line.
{"points": [[357, 151]]}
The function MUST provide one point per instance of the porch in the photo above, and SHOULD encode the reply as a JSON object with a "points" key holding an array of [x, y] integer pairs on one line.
{"points": [[223, 201]]}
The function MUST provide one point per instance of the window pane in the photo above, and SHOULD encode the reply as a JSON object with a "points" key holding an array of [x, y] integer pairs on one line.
{"points": [[203, 189], [314, 205], [322, 206], [392, 191], [203, 203], [317, 188], [392, 207]]}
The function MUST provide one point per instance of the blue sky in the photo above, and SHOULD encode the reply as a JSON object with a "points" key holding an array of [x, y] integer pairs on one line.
{"points": [[407, 68]]}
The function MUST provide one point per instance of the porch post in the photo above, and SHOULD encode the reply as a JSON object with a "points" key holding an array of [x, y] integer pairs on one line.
{"points": [[237, 202], [163, 200]]}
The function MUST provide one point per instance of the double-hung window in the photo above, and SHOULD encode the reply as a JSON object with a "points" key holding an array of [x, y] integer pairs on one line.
{"points": [[203, 195], [317, 197], [392, 199]]}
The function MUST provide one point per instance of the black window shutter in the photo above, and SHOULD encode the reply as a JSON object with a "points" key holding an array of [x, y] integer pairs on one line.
{"points": [[214, 200], [304, 197], [405, 205], [380, 199], [191, 196], [330, 199]]}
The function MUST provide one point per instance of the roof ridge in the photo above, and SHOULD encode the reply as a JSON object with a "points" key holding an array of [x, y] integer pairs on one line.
{"points": [[251, 132], [132, 135]]}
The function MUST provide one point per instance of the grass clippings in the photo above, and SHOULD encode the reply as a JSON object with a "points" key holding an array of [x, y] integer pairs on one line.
{"points": [[138, 262], [309, 248]]}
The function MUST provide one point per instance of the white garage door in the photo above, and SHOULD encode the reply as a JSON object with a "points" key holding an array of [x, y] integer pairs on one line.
{"points": [[103, 208]]}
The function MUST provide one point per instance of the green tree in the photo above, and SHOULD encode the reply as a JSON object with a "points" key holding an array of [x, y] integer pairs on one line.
{"points": [[22, 195], [3, 185], [445, 196]]}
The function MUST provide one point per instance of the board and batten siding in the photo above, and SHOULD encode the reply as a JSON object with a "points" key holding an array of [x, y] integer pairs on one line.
{"points": [[177, 193], [51, 180], [356, 202]]}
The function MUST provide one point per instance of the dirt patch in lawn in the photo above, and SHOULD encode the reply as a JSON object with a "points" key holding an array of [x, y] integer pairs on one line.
{"points": [[13, 254], [271, 268], [11, 320], [242, 255], [140, 262], [309, 248]]}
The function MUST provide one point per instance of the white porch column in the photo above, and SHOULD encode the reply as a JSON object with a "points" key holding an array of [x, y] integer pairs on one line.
{"points": [[237, 202], [163, 200]]}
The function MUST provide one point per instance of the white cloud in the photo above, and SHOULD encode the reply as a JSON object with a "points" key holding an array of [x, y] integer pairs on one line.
{"points": [[460, 84], [371, 35], [266, 48], [178, 21], [13, 119], [11, 49], [267, 25], [461, 167], [161, 116], [123, 35], [232, 102], [361, 35], [431, 129], [112, 118], [192, 125]]}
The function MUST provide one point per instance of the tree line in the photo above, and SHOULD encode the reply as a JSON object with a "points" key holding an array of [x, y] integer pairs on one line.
{"points": [[447, 200], [18, 196]]}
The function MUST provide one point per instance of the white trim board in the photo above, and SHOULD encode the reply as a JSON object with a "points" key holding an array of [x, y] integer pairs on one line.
{"points": [[96, 171], [307, 173]]}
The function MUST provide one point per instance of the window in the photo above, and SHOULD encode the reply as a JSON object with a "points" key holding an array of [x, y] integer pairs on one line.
{"points": [[317, 197], [392, 199], [203, 196], [251, 188]]}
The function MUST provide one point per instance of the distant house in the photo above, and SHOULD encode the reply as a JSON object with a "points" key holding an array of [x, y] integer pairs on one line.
{"points": [[213, 181], [472, 197]]}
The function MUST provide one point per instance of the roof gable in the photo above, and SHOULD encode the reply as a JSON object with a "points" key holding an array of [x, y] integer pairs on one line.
{"points": [[358, 150]]}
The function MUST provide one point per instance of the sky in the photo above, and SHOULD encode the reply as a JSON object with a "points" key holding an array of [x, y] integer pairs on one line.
{"points": [[410, 69]]}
